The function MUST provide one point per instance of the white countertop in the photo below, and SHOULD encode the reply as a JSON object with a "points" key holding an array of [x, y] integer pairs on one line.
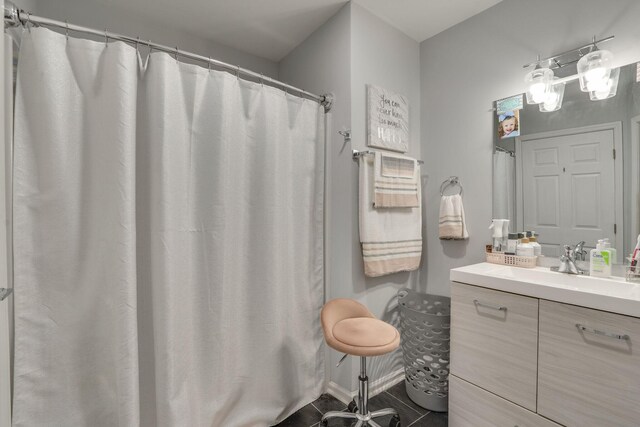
{"points": [[610, 294]]}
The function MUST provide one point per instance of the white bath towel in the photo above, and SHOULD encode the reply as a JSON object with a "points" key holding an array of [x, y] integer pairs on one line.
{"points": [[452, 221], [391, 237], [396, 181]]}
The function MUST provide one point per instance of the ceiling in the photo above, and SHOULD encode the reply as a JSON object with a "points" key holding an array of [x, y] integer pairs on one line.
{"points": [[272, 28], [421, 19]]}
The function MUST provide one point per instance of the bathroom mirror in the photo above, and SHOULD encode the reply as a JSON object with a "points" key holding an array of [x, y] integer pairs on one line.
{"points": [[572, 174]]}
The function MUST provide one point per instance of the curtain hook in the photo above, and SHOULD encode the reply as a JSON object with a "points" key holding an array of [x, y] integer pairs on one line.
{"points": [[66, 33], [106, 38], [176, 55], [137, 44], [149, 46], [261, 79], [238, 72], [209, 64]]}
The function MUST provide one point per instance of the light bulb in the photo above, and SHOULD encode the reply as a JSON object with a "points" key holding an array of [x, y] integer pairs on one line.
{"points": [[538, 82], [605, 88], [596, 74], [601, 94], [538, 92], [599, 84], [553, 97], [551, 100]]}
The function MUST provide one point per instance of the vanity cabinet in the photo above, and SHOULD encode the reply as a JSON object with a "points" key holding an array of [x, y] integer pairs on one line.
{"points": [[524, 361], [589, 370], [474, 407], [494, 341]]}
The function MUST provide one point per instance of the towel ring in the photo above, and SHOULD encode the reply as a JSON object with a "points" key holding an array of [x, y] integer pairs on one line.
{"points": [[451, 181]]}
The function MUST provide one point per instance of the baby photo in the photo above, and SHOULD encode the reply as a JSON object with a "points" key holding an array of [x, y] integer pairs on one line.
{"points": [[509, 124]]}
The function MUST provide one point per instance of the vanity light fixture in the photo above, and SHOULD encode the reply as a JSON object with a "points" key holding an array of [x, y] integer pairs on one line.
{"points": [[595, 74]]}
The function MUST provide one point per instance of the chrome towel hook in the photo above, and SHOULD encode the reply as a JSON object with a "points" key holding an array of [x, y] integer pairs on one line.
{"points": [[346, 134], [5, 292], [452, 181]]}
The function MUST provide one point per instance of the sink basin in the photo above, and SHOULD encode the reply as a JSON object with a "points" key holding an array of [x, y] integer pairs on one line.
{"points": [[545, 276], [611, 294]]}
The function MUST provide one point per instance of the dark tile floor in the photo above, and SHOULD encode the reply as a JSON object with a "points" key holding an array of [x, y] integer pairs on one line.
{"points": [[411, 415]]}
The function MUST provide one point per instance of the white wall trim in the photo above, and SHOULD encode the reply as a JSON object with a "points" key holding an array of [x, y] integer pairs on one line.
{"points": [[375, 387], [340, 393], [386, 382], [616, 127]]}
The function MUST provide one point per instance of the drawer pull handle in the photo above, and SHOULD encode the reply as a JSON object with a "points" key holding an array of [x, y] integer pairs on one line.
{"points": [[493, 307], [602, 333]]}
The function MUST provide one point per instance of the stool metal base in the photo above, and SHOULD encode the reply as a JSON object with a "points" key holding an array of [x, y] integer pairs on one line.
{"points": [[363, 416], [363, 420]]}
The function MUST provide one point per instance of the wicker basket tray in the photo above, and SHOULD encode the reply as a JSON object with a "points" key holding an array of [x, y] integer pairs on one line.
{"points": [[512, 260]]}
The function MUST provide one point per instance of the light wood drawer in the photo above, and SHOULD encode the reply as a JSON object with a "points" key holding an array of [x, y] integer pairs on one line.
{"points": [[585, 378], [471, 406], [496, 349]]}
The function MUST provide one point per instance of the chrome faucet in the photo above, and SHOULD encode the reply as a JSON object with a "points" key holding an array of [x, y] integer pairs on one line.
{"points": [[569, 258], [579, 253]]}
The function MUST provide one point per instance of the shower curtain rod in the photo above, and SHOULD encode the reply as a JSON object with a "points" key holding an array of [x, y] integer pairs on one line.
{"points": [[14, 17], [511, 153]]}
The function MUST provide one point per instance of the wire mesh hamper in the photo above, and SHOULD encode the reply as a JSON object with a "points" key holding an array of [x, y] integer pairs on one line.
{"points": [[424, 331]]}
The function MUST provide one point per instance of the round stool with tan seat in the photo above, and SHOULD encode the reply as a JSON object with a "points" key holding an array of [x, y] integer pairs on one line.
{"points": [[349, 327]]}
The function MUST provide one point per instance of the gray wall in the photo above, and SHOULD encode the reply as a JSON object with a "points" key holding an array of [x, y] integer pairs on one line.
{"points": [[355, 48], [321, 64], [464, 69], [100, 16], [384, 56]]}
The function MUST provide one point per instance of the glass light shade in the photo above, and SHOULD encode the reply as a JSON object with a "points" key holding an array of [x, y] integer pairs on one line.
{"points": [[538, 83], [553, 98], [594, 70], [608, 89]]}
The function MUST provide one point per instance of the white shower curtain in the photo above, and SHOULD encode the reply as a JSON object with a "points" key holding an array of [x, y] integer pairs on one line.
{"points": [[504, 184], [168, 241]]}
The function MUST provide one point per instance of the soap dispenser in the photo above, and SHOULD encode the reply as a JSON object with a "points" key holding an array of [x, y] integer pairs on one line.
{"points": [[533, 240], [525, 248], [600, 261], [606, 244]]}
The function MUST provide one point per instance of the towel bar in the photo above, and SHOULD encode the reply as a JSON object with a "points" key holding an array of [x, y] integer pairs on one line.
{"points": [[357, 154]]}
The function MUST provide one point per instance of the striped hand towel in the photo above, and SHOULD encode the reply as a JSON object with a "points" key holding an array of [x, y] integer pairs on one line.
{"points": [[391, 238], [396, 181], [452, 222]]}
